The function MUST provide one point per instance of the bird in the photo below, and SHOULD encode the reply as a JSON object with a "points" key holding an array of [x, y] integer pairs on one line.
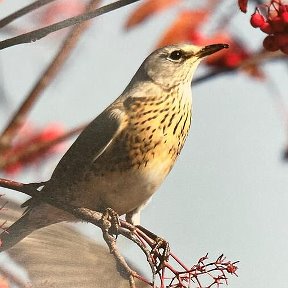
{"points": [[121, 158]]}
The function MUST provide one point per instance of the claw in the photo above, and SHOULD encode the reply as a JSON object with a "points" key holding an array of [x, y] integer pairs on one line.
{"points": [[164, 256], [155, 253], [110, 221]]}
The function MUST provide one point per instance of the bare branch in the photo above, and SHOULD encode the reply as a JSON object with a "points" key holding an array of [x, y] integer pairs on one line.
{"points": [[37, 149], [121, 262], [18, 119], [23, 11], [215, 271], [85, 214], [255, 59], [42, 32]]}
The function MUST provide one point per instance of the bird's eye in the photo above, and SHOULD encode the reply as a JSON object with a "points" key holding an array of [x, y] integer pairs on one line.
{"points": [[176, 55]]}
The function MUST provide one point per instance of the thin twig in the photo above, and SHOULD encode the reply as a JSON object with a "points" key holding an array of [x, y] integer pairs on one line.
{"points": [[177, 279], [255, 59], [37, 149], [42, 32], [120, 260], [85, 214], [126, 229], [23, 11], [18, 119], [212, 74]]}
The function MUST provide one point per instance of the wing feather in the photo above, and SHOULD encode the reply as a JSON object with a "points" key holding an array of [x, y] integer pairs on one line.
{"points": [[90, 144]]}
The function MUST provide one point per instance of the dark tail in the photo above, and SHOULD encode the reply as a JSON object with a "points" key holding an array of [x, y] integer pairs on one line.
{"points": [[16, 232], [36, 218]]}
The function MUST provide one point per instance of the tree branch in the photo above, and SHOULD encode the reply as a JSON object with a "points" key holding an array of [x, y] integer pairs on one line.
{"points": [[18, 119], [126, 229], [23, 11], [42, 32], [216, 270], [33, 150], [255, 59]]}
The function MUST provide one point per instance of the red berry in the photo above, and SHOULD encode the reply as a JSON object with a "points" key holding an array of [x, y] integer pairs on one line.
{"points": [[282, 9], [266, 28], [232, 59], [277, 24], [284, 17], [231, 268], [257, 20], [270, 44], [284, 49], [282, 40]]}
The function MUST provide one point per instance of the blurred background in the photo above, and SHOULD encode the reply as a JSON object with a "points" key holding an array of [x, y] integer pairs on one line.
{"points": [[227, 192]]}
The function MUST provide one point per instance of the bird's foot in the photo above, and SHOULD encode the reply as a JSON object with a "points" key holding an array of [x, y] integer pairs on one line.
{"points": [[110, 222], [160, 250], [162, 256]]}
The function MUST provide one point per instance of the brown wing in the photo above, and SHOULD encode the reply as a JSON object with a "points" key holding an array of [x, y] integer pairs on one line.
{"points": [[90, 144]]}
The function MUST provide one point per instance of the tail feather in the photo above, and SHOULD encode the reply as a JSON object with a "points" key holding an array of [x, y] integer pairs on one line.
{"points": [[16, 232], [38, 217]]}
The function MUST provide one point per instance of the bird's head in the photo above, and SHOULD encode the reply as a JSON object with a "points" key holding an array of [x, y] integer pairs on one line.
{"points": [[175, 64]]}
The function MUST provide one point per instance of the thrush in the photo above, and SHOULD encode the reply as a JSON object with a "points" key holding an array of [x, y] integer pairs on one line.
{"points": [[125, 153]]}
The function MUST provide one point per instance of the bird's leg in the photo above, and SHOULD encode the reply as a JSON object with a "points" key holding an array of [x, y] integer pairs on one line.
{"points": [[110, 221], [160, 243]]}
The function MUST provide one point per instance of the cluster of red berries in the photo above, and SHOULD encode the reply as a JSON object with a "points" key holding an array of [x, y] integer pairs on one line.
{"points": [[275, 24]]}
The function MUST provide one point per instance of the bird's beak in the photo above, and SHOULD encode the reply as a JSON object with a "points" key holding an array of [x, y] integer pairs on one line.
{"points": [[210, 49]]}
